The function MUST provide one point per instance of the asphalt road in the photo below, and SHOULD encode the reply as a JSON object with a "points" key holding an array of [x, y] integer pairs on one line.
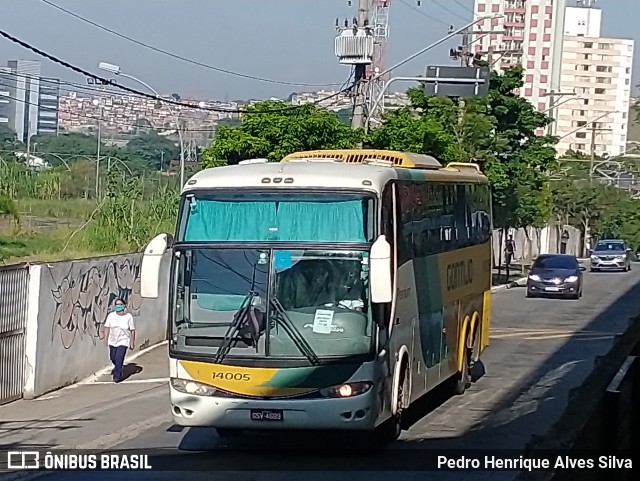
{"points": [[540, 350]]}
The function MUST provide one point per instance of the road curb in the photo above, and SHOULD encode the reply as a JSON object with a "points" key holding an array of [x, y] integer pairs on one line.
{"points": [[502, 287]]}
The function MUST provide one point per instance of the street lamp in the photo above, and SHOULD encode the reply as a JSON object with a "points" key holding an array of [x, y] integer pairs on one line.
{"points": [[116, 70]]}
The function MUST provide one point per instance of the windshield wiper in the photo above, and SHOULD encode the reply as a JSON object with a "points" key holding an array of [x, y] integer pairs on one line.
{"points": [[293, 332], [238, 320]]}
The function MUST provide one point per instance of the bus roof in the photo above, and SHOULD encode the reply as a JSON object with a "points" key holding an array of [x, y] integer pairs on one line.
{"points": [[396, 158], [324, 172]]}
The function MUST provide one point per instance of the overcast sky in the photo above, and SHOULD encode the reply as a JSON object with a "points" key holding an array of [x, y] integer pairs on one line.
{"points": [[286, 40]]}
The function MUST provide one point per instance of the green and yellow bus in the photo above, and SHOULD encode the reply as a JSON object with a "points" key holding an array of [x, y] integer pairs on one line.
{"points": [[326, 291]]}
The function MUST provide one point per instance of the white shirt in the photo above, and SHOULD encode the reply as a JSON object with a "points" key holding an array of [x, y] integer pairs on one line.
{"points": [[120, 327]]}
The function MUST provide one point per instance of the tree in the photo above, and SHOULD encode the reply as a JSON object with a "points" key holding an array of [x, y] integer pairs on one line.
{"points": [[599, 211], [156, 150], [272, 129], [8, 136], [499, 130]]}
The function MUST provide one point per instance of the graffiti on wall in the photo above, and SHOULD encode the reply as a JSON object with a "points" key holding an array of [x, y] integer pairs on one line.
{"points": [[84, 297]]}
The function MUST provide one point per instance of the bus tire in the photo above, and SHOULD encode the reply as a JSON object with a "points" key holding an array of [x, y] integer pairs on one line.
{"points": [[391, 429], [228, 432], [464, 378]]}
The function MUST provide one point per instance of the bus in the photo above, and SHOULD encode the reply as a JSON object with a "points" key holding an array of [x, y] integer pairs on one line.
{"points": [[327, 291]]}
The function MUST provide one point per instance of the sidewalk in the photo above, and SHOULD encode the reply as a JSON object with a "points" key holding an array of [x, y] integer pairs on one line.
{"points": [[73, 416]]}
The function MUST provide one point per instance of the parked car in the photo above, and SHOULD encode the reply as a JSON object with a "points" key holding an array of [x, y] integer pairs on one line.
{"points": [[613, 254], [555, 275]]}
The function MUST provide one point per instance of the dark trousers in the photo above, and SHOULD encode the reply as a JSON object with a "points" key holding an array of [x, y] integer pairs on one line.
{"points": [[116, 354]]}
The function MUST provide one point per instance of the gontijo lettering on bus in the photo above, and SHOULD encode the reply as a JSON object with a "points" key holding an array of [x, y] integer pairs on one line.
{"points": [[459, 274]]}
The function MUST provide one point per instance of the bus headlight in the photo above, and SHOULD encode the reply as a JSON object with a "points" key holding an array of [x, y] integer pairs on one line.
{"points": [[346, 390], [192, 387]]}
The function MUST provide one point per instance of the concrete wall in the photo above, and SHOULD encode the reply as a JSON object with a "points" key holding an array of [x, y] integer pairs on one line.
{"points": [[543, 241], [68, 305]]}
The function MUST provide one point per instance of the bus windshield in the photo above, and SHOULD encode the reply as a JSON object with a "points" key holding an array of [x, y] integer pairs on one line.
{"points": [[303, 303], [277, 216]]}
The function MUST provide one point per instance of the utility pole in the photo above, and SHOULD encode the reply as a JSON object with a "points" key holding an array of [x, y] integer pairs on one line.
{"points": [[98, 158], [360, 97], [594, 131], [553, 107]]}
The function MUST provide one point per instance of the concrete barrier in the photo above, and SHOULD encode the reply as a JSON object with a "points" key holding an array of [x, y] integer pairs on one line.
{"points": [[67, 308]]}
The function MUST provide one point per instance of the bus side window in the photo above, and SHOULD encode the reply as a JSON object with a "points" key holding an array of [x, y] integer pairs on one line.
{"points": [[449, 236], [405, 227], [386, 223]]}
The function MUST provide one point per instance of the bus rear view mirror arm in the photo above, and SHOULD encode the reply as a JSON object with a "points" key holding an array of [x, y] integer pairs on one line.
{"points": [[380, 272], [151, 262]]}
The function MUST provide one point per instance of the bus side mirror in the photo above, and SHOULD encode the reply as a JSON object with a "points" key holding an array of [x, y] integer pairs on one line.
{"points": [[380, 272], [151, 261]]}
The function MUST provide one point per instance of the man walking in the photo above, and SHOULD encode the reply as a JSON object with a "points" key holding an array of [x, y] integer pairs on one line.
{"points": [[119, 334]]}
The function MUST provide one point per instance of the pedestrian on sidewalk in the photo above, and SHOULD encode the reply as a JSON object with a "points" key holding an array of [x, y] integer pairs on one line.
{"points": [[119, 334]]}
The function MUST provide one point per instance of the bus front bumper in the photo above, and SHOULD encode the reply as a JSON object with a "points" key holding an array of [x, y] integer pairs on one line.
{"points": [[355, 413]]}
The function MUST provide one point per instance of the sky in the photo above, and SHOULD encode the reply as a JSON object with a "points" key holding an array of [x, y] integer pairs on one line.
{"points": [[284, 40]]}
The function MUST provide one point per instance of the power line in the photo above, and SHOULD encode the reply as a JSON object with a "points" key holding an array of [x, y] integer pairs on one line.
{"points": [[464, 6], [114, 122], [94, 91], [424, 14], [179, 57], [144, 94], [447, 9]]}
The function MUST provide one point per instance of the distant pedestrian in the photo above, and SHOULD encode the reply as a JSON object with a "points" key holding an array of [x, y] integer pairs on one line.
{"points": [[509, 250], [564, 240], [119, 335]]}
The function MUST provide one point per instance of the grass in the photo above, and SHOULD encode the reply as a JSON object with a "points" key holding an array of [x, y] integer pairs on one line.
{"points": [[44, 231], [67, 209], [32, 247]]}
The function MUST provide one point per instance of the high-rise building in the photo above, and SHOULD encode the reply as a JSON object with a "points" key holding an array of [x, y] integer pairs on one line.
{"points": [[598, 71], [5, 97], [528, 33], [29, 103], [48, 106], [24, 85]]}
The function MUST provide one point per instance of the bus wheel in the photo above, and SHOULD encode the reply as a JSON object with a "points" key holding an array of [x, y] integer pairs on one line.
{"points": [[390, 431], [228, 432], [464, 377]]}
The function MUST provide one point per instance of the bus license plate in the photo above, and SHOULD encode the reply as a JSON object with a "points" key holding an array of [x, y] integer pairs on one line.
{"points": [[266, 414]]}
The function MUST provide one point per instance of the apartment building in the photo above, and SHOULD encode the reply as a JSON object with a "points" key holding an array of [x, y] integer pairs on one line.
{"points": [[528, 33], [598, 71]]}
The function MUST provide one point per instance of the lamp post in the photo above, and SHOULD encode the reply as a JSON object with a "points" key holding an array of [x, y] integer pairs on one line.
{"points": [[116, 70]]}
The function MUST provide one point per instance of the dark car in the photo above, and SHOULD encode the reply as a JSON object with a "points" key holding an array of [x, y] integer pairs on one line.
{"points": [[555, 275]]}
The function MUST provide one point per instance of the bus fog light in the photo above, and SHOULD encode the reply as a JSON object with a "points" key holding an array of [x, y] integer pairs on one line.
{"points": [[346, 390], [192, 387]]}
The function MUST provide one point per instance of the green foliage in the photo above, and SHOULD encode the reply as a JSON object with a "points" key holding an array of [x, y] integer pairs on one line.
{"points": [[8, 136], [131, 210], [156, 150], [8, 208], [277, 134], [498, 131], [604, 211], [125, 221]]}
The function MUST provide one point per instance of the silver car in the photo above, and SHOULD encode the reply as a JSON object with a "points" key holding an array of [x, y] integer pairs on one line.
{"points": [[611, 255]]}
